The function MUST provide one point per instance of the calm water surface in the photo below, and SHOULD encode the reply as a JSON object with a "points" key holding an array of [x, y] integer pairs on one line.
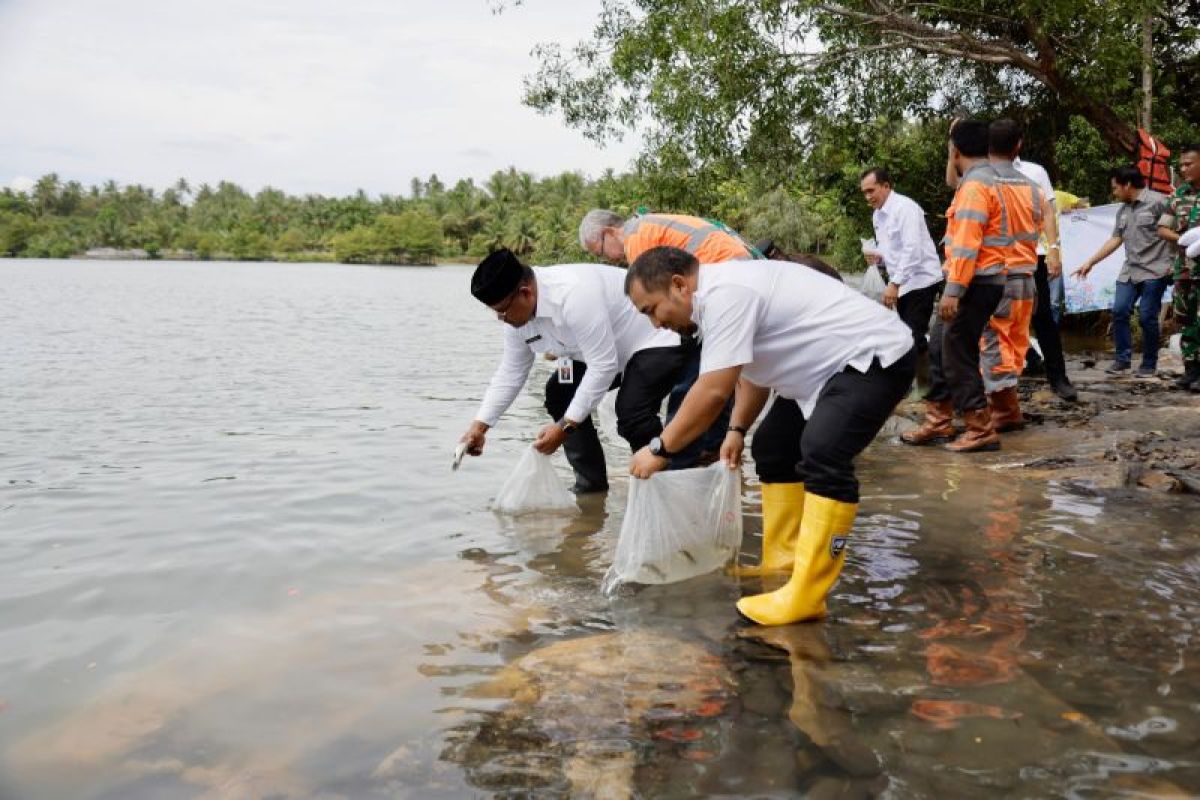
{"points": [[234, 563]]}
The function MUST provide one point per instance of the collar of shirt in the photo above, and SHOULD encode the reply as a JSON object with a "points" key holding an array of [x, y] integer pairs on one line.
{"points": [[698, 297], [889, 203], [549, 298], [981, 166]]}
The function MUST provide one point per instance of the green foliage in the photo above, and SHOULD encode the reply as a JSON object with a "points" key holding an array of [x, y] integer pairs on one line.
{"points": [[246, 243], [754, 82], [1084, 162], [15, 232], [357, 246]]}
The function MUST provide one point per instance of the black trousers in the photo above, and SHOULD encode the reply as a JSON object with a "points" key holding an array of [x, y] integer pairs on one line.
{"points": [[1044, 326], [916, 308], [954, 349], [646, 381], [709, 441], [820, 451]]}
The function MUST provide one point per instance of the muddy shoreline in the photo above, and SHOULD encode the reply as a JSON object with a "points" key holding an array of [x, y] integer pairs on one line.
{"points": [[1125, 436]]}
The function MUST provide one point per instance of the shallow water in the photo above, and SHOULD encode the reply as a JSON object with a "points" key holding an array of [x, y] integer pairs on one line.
{"points": [[234, 562]]}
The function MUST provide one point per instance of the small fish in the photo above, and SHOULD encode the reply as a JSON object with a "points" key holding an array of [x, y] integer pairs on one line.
{"points": [[459, 452], [656, 571], [688, 556]]}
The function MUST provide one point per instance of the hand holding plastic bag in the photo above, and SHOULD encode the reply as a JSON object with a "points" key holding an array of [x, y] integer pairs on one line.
{"points": [[678, 524], [533, 486], [872, 283]]}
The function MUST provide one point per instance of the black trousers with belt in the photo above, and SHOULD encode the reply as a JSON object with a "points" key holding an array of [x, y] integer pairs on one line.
{"points": [[820, 450], [646, 381], [916, 309], [954, 349]]}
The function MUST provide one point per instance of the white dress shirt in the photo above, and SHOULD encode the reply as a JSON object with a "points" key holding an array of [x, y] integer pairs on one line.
{"points": [[791, 329], [904, 242], [582, 312], [1037, 173]]}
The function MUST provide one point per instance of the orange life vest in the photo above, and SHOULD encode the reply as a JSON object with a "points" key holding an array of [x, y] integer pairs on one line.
{"points": [[1152, 159]]}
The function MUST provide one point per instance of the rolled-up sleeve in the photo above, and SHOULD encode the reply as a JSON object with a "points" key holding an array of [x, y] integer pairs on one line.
{"points": [[588, 319], [508, 380]]}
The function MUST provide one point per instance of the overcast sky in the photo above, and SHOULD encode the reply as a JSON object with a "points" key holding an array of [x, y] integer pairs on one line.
{"points": [[321, 96]]}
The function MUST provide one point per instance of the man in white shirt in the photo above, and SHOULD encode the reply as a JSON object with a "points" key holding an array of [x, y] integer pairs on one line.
{"points": [[907, 250], [839, 364], [580, 313], [1049, 266]]}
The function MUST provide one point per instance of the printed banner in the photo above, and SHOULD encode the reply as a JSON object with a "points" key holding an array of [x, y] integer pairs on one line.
{"points": [[1082, 233]]}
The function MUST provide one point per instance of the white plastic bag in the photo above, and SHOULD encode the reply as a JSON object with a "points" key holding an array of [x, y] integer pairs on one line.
{"points": [[606, 419], [533, 486], [678, 524], [872, 283]]}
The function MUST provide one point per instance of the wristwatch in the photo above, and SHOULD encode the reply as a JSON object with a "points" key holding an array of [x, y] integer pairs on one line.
{"points": [[659, 449], [567, 426], [1056, 246], [737, 429]]}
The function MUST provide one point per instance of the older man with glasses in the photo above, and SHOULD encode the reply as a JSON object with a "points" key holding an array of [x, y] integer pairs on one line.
{"points": [[620, 240], [580, 313]]}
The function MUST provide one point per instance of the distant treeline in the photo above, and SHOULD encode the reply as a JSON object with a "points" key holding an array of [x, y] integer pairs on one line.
{"points": [[537, 218], [814, 208]]}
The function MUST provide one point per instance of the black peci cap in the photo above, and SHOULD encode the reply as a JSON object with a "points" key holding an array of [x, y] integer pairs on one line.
{"points": [[496, 277]]}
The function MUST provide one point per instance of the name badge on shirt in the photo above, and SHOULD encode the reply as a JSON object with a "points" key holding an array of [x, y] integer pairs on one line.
{"points": [[566, 369]]}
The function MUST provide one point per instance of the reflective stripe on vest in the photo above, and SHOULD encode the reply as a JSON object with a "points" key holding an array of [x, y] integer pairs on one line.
{"points": [[696, 235]]}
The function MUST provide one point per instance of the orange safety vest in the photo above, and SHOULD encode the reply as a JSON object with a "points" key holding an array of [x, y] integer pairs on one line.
{"points": [[1021, 203], [975, 242], [709, 243]]}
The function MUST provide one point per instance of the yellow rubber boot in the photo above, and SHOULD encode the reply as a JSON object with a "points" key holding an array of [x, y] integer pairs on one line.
{"points": [[820, 554], [783, 508]]}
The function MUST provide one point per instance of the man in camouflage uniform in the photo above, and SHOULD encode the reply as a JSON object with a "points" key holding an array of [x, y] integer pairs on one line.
{"points": [[1182, 214]]}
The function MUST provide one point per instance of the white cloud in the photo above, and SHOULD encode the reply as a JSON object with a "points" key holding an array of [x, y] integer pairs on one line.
{"points": [[22, 183], [305, 95]]}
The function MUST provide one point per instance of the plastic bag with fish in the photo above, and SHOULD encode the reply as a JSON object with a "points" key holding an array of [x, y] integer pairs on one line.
{"points": [[533, 486], [872, 283], [678, 524]]}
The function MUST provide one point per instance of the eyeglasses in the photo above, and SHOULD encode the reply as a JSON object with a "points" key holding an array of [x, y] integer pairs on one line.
{"points": [[502, 313]]}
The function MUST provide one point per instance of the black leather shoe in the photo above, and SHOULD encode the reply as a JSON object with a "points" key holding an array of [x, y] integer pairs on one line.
{"points": [[1063, 388]]}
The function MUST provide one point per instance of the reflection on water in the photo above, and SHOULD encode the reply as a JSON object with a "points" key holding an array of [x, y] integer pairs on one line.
{"points": [[234, 563]]}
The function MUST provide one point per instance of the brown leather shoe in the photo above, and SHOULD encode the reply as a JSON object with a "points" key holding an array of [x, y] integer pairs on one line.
{"points": [[937, 427], [979, 435], [1005, 406]]}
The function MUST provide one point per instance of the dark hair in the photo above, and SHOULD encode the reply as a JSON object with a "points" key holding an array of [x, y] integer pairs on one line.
{"points": [[1128, 175], [1004, 137], [1191, 147], [526, 276], [655, 268], [767, 248], [881, 175], [970, 137], [812, 262]]}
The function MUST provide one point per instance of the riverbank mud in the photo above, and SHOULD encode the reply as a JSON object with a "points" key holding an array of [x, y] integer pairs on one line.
{"points": [[1125, 434]]}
